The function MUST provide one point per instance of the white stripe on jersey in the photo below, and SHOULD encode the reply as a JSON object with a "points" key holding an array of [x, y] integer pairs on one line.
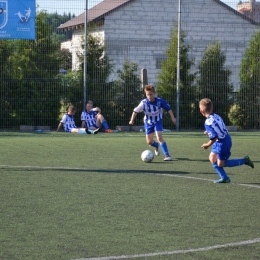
{"points": [[153, 113], [153, 110], [215, 127], [68, 122], [89, 118]]}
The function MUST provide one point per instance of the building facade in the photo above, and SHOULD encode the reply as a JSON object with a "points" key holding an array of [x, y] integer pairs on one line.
{"points": [[139, 30], [251, 9]]}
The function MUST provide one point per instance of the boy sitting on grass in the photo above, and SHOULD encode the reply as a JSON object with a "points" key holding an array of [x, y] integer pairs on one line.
{"points": [[69, 125]]}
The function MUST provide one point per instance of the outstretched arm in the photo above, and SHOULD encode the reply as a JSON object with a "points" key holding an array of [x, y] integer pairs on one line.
{"points": [[132, 118], [172, 116], [59, 126]]}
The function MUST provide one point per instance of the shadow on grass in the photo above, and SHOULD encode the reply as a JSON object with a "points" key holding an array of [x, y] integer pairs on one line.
{"points": [[192, 160], [206, 160], [43, 169]]}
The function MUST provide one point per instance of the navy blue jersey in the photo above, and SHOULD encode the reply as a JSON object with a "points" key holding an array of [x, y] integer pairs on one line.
{"points": [[89, 118], [153, 110], [215, 127], [68, 122]]}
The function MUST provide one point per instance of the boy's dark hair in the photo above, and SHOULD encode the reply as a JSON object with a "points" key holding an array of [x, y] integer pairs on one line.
{"points": [[207, 105], [149, 87], [72, 108]]}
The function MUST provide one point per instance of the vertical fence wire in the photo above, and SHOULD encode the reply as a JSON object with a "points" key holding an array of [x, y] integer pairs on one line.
{"points": [[219, 59]]}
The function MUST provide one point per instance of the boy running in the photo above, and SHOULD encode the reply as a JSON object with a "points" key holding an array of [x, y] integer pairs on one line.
{"points": [[221, 142]]}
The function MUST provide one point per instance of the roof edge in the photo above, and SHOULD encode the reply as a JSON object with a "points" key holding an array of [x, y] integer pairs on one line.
{"points": [[237, 13]]}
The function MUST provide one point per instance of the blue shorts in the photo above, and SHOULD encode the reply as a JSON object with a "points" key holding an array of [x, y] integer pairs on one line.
{"points": [[153, 128], [222, 148]]}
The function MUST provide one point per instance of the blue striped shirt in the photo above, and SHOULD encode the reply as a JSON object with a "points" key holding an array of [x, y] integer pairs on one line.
{"points": [[89, 118], [153, 110], [68, 122], [215, 127]]}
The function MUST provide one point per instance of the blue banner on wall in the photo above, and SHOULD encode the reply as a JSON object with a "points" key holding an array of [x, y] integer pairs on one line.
{"points": [[17, 19]]}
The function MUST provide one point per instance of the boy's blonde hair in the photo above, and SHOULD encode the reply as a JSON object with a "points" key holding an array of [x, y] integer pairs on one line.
{"points": [[149, 87], [90, 102], [206, 105]]}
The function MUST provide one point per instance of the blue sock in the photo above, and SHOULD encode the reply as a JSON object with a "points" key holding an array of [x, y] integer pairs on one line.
{"points": [[82, 131], [234, 162], [165, 149], [220, 171], [105, 124], [155, 144]]}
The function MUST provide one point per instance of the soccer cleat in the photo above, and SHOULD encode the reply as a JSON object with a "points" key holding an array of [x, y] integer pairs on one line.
{"points": [[87, 131], [157, 152], [95, 131], [168, 158], [249, 162], [109, 131], [222, 180]]}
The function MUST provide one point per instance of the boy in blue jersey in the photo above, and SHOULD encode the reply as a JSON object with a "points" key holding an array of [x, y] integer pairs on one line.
{"points": [[69, 125], [221, 142], [93, 119], [153, 109]]}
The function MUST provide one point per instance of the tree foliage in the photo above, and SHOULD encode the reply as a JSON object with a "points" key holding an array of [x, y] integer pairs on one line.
{"points": [[55, 20], [99, 68], [167, 79], [213, 80], [125, 93], [246, 113], [30, 78]]}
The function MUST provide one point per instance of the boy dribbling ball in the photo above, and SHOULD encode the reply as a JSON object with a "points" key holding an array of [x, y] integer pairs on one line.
{"points": [[153, 109], [220, 141]]}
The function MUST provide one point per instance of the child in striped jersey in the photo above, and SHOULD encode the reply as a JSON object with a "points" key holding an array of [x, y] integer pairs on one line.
{"points": [[152, 107], [221, 142], [69, 125], [93, 119]]}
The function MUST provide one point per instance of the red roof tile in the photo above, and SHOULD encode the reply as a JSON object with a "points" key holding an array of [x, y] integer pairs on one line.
{"points": [[95, 13]]}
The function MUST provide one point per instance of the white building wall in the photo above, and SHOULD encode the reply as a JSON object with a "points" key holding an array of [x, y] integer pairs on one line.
{"points": [[75, 44], [77, 41], [140, 32], [66, 45]]}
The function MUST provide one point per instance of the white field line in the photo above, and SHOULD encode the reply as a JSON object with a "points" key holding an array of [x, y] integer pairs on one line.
{"points": [[247, 242], [118, 171]]}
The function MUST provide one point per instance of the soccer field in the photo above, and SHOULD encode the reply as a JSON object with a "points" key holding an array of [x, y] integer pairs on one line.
{"points": [[71, 196]]}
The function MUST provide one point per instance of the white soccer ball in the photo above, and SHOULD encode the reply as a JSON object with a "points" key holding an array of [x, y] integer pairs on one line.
{"points": [[147, 156]]}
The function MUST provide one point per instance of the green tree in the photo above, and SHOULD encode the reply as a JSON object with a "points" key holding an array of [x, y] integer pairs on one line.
{"points": [[213, 80], [6, 71], [125, 94], [54, 20], [167, 80], [246, 112], [99, 68], [34, 88]]}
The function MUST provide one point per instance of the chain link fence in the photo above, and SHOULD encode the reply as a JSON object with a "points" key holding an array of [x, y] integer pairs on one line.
{"points": [[220, 59]]}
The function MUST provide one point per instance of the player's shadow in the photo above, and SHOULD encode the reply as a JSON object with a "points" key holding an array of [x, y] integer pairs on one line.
{"points": [[192, 160], [125, 171]]}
